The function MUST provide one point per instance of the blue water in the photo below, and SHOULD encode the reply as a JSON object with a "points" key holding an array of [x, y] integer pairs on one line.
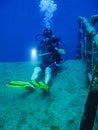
{"points": [[21, 20]]}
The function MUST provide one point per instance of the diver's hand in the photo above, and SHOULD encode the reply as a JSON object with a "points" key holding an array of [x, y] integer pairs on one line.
{"points": [[59, 50]]}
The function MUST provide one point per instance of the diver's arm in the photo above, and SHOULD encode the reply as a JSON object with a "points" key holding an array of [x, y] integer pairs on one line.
{"points": [[60, 50]]}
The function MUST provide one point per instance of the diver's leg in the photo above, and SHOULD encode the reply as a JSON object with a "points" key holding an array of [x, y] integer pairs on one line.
{"points": [[36, 72], [47, 75], [48, 71]]}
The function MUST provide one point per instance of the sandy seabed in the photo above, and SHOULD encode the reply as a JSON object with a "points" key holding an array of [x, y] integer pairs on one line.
{"points": [[59, 109]]}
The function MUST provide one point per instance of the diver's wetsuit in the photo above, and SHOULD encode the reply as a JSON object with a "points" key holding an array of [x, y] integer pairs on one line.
{"points": [[52, 59], [51, 51]]}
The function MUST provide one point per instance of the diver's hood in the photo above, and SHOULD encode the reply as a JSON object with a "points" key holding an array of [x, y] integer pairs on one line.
{"points": [[47, 33]]}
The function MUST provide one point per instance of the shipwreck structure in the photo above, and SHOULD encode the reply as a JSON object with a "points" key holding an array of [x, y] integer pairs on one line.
{"points": [[87, 48]]}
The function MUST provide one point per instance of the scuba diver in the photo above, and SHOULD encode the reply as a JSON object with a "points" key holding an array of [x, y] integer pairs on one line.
{"points": [[51, 53]]}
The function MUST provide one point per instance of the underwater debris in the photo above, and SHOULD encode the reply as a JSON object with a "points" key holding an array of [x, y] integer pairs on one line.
{"points": [[71, 121], [53, 127]]}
